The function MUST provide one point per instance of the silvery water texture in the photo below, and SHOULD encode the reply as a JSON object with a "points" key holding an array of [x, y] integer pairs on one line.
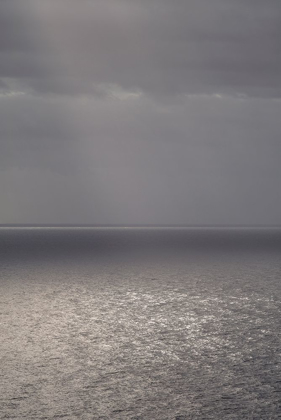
{"points": [[140, 324]]}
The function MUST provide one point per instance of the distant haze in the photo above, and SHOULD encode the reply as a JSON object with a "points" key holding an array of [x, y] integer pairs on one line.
{"points": [[140, 111]]}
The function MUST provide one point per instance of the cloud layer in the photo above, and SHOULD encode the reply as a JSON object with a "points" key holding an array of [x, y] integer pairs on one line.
{"points": [[119, 111]]}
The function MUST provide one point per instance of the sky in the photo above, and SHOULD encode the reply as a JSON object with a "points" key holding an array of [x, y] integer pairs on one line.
{"points": [[140, 112]]}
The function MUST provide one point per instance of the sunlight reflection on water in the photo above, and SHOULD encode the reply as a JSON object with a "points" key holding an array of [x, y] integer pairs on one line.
{"points": [[146, 339]]}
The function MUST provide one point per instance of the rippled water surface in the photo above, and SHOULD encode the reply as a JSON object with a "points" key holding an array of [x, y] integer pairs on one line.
{"points": [[140, 324]]}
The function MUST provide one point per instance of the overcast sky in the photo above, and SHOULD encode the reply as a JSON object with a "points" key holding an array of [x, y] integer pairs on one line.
{"points": [[140, 111]]}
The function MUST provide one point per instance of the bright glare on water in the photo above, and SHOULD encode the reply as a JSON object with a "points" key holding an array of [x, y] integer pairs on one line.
{"points": [[103, 324]]}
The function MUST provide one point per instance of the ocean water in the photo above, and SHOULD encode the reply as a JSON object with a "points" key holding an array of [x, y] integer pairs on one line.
{"points": [[116, 323]]}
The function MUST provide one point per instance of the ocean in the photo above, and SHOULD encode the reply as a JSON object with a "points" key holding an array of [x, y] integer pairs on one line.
{"points": [[140, 323]]}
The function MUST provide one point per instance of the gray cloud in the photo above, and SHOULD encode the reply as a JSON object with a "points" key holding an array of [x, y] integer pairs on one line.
{"points": [[157, 46], [117, 111]]}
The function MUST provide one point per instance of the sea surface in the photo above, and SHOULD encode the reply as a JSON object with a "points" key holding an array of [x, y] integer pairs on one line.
{"points": [[140, 323]]}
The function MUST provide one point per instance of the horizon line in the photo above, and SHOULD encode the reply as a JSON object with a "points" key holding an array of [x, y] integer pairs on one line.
{"points": [[183, 226]]}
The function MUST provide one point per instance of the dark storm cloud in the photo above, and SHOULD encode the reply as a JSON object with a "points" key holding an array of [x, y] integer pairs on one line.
{"points": [[158, 46], [13, 29]]}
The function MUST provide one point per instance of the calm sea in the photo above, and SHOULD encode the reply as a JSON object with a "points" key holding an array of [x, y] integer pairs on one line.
{"points": [[119, 323]]}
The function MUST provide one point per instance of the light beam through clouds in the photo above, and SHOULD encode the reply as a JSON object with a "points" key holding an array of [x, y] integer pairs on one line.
{"points": [[140, 112]]}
